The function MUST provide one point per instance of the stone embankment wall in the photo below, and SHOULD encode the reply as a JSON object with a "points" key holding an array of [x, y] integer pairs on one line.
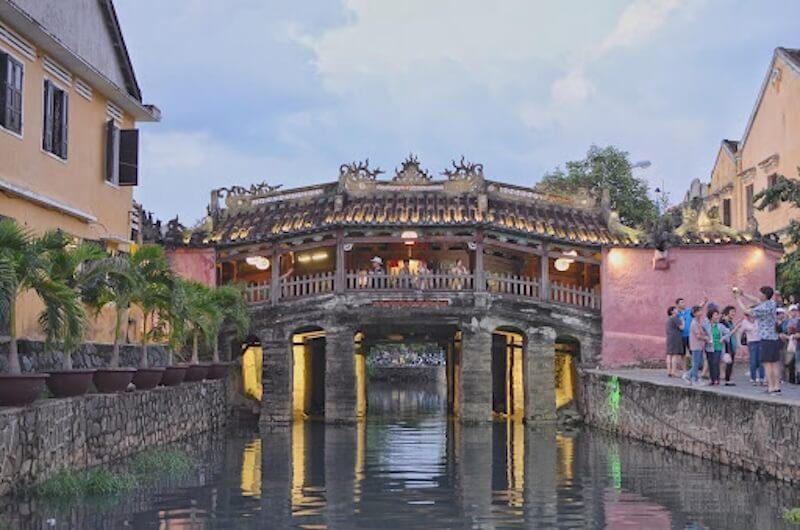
{"points": [[86, 431], [34, 357], [408, 374], [757, 435]]}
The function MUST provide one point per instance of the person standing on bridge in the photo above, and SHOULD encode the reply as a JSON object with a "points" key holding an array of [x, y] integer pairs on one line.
{"points": [[764, 312], [697, 343], [675, 347]]}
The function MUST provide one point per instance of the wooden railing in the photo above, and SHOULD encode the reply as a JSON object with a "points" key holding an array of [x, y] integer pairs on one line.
{"points": [[357, 281], [364, 281], [257, 292], [574, 295], [308, 285], [512, 284]]}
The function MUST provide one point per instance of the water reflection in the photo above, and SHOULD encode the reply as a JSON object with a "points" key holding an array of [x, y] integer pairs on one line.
{"points": [[408, 467]]}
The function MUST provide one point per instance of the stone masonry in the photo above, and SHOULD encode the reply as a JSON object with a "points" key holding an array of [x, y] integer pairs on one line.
{"points": [[76, 433]]}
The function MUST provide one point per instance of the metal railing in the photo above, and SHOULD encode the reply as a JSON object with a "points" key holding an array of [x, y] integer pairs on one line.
{"points": [[362, 281]]}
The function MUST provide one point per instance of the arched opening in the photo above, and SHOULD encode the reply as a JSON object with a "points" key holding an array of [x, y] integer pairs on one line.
{"points": [[252, 367], [508, 383], [568, 349], [308, 372]]}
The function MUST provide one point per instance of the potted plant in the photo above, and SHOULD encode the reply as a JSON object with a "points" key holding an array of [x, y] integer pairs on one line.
{"points": [[232, 310], [152, 293], [65, 319], [23, 266]]}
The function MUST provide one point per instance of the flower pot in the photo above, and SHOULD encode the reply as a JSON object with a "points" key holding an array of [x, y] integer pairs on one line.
{"points": [[69, 383], [218, 371], [173, 375], [108, 380], [196, 372], [20, 390], [147, 378]]}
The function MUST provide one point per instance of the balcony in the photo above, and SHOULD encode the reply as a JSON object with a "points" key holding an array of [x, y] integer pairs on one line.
{"points": [[516, 286]]}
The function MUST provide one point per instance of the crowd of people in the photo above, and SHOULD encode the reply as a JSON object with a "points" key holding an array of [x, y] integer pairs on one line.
{"points": [[703, 340], [411, 274]]}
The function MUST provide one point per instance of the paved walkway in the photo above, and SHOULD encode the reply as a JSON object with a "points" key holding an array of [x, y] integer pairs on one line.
{"points": [[790, 393]]}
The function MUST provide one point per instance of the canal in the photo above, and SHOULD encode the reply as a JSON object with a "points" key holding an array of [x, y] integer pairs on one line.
{"points": [[407, 466]]}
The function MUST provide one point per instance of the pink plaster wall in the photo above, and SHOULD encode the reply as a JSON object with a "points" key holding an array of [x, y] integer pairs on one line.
{"points": [[636, 297], [198, 264]]}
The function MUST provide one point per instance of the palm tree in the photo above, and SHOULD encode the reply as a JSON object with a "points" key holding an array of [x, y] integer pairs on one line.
{"points": [[112, 282], [65, 319], [201, 311], [25, 265], [232, 309], [152, 288]]}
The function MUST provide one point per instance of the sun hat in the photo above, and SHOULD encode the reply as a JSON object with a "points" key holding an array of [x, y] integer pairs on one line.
{"points": [[377, 259]]}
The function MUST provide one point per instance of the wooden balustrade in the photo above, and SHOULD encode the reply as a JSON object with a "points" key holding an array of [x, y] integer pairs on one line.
{"points": [[496, 283], [367, 281], [512, 284], [574, 295], [307, 285], [256, 292]]}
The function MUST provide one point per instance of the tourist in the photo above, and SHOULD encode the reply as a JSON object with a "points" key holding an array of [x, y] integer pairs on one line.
{"points": [[458, 270], [719, 334], [697, 344], [750, 339], [376, 273], [732, 344], [764, 313], [423, 275], [686, 315], [674, 341], [789, 335]]}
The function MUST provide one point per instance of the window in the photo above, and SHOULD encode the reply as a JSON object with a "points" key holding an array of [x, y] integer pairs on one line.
{"points": [[726, 212], [771, 181], [10, 93], [748, 191], [54, 133], [122, 155]]}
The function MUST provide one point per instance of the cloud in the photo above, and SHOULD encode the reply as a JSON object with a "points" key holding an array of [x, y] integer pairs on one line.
{"points": [[639, 21]]}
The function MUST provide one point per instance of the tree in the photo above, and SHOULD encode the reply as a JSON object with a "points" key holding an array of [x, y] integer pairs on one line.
{"points": [[25, 265], [232, 309], [785, 190], [606, 168], [153, 283], [65, 321], [200, 313]]}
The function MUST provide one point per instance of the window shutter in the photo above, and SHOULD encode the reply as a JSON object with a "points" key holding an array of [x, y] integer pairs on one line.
{"points": [[129, 157], [112, 152], [4, 89], [47, 130], [64, 124]]}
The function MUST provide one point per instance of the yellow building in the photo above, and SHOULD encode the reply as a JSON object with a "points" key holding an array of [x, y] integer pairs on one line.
{"points": [[69, 104], [770, 146]]}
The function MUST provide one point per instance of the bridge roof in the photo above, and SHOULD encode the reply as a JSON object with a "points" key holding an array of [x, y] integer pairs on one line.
{"points": [[412, 199]]}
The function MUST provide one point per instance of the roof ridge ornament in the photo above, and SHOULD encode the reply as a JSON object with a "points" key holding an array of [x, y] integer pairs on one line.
{"points": [[463, 170], [359, 171], [411, 172]]}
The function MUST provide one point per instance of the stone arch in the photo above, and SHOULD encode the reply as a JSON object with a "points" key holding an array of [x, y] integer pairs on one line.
{"points": [[308, 345], [508, 372]]}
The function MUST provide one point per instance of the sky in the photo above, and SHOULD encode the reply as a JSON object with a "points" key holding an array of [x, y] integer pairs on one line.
{"points": [[285, 92]]}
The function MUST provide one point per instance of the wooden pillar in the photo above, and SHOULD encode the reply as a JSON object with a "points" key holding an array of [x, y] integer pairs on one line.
{"points": [[340, 279], [275, 282], [480, 283], [544, 274]]}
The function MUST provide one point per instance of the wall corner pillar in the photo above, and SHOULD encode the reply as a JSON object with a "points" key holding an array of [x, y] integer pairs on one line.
{"points": [[540, 397], [276, 400], [475, 394], [340, 375]]}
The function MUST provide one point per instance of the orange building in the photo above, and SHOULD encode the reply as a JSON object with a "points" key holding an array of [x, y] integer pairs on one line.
{"points": [[69, 104], [770, 146]]}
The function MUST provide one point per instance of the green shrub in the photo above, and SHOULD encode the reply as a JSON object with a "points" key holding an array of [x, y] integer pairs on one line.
{"points": [[90, 482], [162, 462], [792, 516]]}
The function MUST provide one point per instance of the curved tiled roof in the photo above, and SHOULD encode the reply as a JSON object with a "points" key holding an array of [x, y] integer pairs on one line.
{"points": [[507, 208]]}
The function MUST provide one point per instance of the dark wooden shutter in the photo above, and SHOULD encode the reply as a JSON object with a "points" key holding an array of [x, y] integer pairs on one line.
{"points": [[15, 83], [47, 129], [4, 89], [63, 122], [129, 157], [112, 152]]}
